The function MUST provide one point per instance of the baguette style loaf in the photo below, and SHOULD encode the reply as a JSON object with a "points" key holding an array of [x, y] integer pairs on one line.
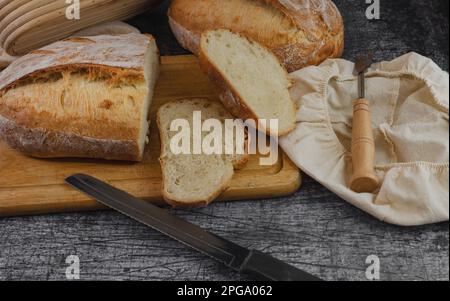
{"points": [[83, 97], [191, 180], [299, 32]]}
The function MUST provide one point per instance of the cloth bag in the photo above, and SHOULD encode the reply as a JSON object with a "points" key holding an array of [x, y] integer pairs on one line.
{"points": [[409, 99]]}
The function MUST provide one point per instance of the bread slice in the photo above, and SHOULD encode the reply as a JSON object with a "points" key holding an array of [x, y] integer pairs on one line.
{"points": [[252, 83], [84, 97], [191, 180]]}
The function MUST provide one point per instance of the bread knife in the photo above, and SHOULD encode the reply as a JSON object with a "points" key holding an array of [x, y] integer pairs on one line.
{"points": [[261, 265]]}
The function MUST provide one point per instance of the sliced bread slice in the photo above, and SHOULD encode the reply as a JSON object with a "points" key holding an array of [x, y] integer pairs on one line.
{"points": [[191, 180], [251, 81]]}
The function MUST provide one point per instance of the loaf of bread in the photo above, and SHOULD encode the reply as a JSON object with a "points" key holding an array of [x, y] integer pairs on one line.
{"points": [[250, 80], [299, 32], [191, 180], [83, 97]]}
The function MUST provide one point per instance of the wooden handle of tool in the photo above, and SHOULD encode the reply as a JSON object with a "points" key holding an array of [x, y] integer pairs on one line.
{"points": [[363, 150]]}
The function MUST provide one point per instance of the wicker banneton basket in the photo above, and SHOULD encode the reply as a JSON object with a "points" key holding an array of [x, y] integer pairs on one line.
{"points": [[26, 25]]}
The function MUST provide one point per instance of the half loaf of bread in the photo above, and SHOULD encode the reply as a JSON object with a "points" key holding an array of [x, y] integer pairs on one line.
{"points": [[191, 180], [83, 97], [299, 32], [250, 80]]}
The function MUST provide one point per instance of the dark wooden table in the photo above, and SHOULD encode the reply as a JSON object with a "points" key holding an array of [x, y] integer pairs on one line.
{"points": [[313, 229]]}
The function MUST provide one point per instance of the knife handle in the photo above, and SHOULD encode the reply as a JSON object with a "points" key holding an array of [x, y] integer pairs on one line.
{"points": [[364, 179], [266, 267]]}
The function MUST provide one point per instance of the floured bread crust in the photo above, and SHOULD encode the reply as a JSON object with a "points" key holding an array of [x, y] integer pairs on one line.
{"points": [[105, 51], [41, 143], [81, 97], [299, 32]]}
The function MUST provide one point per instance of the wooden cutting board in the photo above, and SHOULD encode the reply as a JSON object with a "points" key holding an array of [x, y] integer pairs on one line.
{"points": [[36, 186]]}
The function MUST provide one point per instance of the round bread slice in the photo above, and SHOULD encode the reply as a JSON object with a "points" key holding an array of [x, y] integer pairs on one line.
{"points": [[191, 180], [251, 82]]}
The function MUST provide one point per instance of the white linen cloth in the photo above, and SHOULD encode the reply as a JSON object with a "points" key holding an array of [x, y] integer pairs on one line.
{"points": [[409, 99]]}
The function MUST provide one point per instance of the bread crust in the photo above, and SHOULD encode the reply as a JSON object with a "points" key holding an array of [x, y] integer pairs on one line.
{"points": [[188, 39], [231, 98], [40, 134], [42, 143], [125, 52], [319, 28]]}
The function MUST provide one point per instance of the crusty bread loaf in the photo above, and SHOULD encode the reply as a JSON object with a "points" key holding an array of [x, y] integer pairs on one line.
{"points": [[251, 82], [299, 32], [195, 179], [84, 97]]}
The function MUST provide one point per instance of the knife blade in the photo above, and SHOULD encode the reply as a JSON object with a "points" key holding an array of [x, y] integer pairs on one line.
{"points": [[362, 63], [261, 265]]}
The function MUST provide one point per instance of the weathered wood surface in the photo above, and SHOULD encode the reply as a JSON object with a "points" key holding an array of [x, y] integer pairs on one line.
{"points": [[312, 229]]}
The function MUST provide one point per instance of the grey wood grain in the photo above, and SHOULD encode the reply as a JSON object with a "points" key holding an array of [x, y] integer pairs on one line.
{"points": [[313, 229]]}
